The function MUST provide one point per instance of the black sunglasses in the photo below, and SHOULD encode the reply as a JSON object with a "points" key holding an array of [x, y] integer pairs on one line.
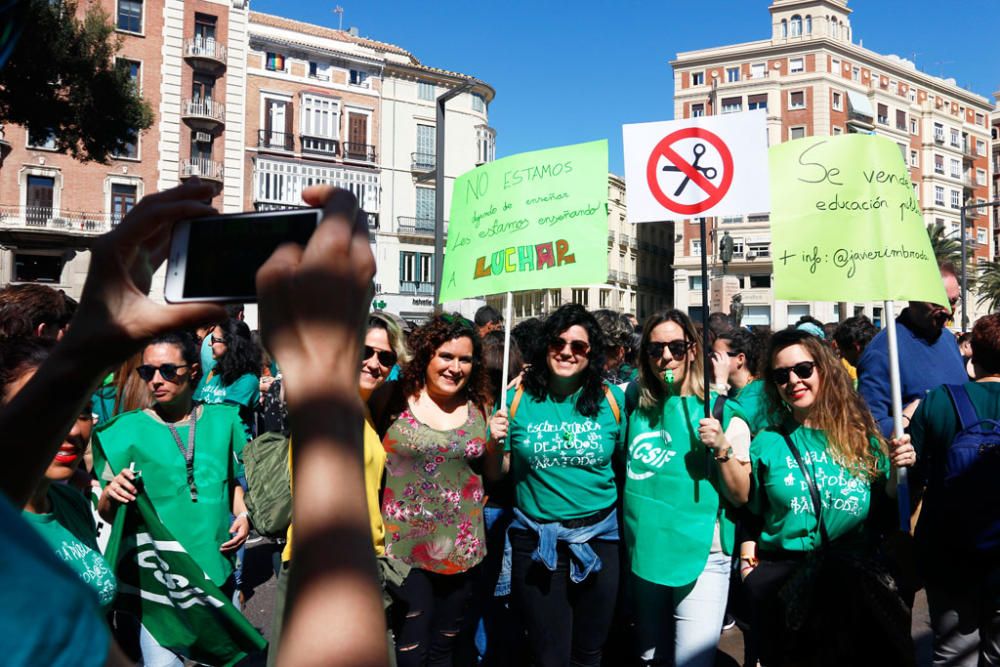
{"points": [[385, 357], [803, 371], [579, 348], [218, 340], [167, 371], [678, 348]]}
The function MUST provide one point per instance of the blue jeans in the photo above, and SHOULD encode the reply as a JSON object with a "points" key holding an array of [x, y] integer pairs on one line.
{"points": [[681, 626], [495, 622]]}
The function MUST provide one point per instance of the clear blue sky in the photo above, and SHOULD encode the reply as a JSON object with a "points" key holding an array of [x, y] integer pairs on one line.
{"points": [[567, 72]]}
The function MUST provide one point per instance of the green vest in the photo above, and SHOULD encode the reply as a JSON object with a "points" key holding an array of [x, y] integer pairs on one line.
{"points": [[671, 499]]}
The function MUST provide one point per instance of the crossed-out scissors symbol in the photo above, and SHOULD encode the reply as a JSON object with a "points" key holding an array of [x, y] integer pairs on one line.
{"points": [[708, 172]]}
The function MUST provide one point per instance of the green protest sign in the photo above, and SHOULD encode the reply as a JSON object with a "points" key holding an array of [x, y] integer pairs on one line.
{"points": [[846, 224], [530, 221]]}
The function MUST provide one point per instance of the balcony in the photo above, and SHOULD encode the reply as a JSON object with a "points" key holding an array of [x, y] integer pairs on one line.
{"points": [[623, 240], [281, 182], [939, 138], [204, 114], [205, 55], [419, 227], [359, 152], [36, 223], [969, 151], [319, 146], [613, 276], [416, 288], [275, 141], [206, 170], [611, 238], [423, 161]]}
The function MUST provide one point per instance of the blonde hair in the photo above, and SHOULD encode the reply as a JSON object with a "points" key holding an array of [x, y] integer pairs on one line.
{"points": [[397, 341], [651, 389]]}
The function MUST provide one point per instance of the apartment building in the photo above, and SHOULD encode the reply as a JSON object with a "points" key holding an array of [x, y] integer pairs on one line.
{"points": [[813, 78], [639, 274], [186, 59], [994, 212], [328, 106]]}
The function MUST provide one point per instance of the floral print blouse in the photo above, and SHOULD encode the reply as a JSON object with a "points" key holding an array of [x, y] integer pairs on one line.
{"points": [[432, 503]]}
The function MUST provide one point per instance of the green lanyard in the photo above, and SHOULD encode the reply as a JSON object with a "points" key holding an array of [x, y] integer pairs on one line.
{"points": [[188, 453]]}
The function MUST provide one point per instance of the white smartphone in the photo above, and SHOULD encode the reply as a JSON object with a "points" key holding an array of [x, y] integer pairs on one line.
{"points": [[216, 258]]}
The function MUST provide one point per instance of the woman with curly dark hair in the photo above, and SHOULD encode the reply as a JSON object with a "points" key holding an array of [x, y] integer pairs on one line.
{"points": [[433, 426], [561, 431], [235, 379]]}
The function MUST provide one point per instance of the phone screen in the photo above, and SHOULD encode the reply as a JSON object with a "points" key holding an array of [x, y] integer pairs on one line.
{"points": [[224, 253]]}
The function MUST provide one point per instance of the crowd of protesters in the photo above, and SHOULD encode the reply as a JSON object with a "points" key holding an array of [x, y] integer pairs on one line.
{"points": [[625, 495]]}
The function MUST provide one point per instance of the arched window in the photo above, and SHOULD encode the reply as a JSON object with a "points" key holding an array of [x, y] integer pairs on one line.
{"points": [[833, 28], [796, 26], [809, 25], [784, 28]]}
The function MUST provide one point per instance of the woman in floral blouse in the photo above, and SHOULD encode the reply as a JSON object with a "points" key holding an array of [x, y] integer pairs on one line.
{"points": [[434, 429]]}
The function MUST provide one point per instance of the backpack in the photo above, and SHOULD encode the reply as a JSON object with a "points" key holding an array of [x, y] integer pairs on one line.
{"points": [[269, 489], [612, 403], [970, 485]]}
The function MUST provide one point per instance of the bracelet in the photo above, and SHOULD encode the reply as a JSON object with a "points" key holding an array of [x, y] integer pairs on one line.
{"points": [[243, 514], [751, 561]]}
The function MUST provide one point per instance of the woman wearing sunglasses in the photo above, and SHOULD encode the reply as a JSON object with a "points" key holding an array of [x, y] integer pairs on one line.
{"points": [[559, 435], [434, 425], [821, 487], [60, 513], [187, 456], [235, 378], [683, 471], [736, 361]]}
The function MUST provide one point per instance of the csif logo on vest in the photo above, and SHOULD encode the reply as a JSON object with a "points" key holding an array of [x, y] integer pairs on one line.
{"points": [[652, 450]]}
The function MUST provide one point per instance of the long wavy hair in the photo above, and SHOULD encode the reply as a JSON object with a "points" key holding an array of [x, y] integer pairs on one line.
{"points": [[397, 341], [652, 391], [423, 344], [241, 357], [537, 374], [839, 410]]}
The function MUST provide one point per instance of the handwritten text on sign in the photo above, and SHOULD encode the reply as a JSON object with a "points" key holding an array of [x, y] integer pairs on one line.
{"points": [[846, 223], [531, 221]]}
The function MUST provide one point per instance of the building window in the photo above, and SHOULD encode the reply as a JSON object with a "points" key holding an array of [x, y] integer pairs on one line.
{"points": [[580, 296], [604, 298], [956, 168], [360, 78], [38, 200], [696, 247], [697, 78], [694, 282], [275, 62], [980, 147], [320, 71], [838, 102], [697, 110], [956, 199], [758, 70], [758, 249], [37, 268], [913, 125], [123, 198], [130, 149], [980, 177], [797, 100], [760, 281], [784, 28], [478, 103], [914, 158], [416, 273], [837, 130], [425, 91], [939, 195], [757, 102], [320, 117], [426, 143], [900, 120], [45, 140], [795, 26], [425, 208], [939, 165], [856, 73], [134, 69], [130, 15], [956, 138], [939, 133], [980, 119], [732, 104], [796, 65], [981, 235], [809, 25], [555, 298], [204, 31], [796, 132], [486, 143], [883, 114], [732, 74]]}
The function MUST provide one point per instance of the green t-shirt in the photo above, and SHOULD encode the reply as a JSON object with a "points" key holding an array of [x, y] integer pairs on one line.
{"points": [[69, 529], [754, 405], [560, 461], [140, 437], [245, 393], [780, 495], [103, 401], [671, 499]]}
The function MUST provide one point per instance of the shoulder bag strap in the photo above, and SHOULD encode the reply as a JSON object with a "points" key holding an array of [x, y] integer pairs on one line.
{"points": [[188, 453], [963, 405], [518, 393], [615, 410], [719, 406], [813, 489]]}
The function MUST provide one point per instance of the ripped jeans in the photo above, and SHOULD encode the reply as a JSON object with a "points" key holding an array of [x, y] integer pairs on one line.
{"points": [[427, 617]]}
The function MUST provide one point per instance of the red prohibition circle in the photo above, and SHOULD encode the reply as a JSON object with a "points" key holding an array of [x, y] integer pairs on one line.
{"points": [[665, 149]]}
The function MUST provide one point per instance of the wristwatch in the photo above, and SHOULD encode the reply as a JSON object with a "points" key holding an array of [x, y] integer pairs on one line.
{"points": [[725, 455]]}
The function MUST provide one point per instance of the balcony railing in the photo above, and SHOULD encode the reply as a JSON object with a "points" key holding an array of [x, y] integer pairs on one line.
{"points": [[422, 161], [204, 110], [623, 239], [611, 237], [613, 276], [207, 52], [359, 152], [204, 169], [319, 145], [47, 218], [969, 150], [275, 140], [633, 243], [415, 226], [414, 287]]}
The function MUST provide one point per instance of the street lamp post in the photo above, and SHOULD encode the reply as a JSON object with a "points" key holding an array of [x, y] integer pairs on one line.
{"points": [[965, 284], [439, 187]]}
